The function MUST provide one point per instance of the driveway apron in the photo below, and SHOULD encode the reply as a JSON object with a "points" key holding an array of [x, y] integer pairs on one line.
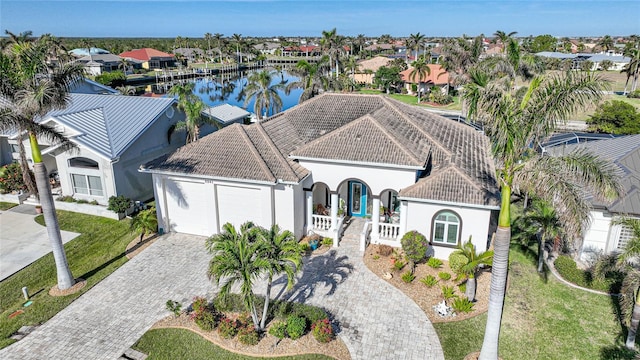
{"points": [[376, 320]]}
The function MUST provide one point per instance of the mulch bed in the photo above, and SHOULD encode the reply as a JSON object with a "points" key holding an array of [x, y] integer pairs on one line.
{"points": [[269, 345], [80, 283], [422, 295]]}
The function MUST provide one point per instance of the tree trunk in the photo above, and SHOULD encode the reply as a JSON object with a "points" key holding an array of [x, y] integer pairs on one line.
{"points": [[470, 292], [65, 279], [540, 253], [633, 327], [24, 166], [267, 297]]}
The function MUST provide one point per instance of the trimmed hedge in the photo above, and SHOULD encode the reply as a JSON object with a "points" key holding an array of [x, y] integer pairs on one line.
{"points": [[567, 268]]}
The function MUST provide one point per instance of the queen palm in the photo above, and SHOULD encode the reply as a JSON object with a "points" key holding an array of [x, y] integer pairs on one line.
{"points": [[192, 107], [237, 39], [218, 38], [421, 70], [284, 256], [515, 120], [631, 284], [416, 41], [328, 43], [470, 268], [265, 94], [29, 92], [312, 78], [504, 38]]}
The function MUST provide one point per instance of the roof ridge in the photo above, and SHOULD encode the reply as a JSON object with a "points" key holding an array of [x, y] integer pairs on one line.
{"points": [[108, 128], [275, 149], [254, 151], [394, 139], [464, 175], [334, 131], [413, 123]]}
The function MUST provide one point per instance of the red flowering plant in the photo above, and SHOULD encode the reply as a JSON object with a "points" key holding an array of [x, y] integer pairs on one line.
{"points": [[11, 178], [322, 330], [203, 314]]}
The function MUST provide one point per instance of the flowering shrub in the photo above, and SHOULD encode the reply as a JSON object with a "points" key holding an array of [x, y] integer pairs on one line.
{"points": [[248, 335], [11, 178], [322, 331], [228, 328], [203, 314]]}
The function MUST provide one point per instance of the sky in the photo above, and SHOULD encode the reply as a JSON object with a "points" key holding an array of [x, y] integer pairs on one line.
{"points": [[171, 18]]}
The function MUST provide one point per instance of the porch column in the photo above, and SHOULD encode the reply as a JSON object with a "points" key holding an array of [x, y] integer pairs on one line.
{"points": [[403, 218], [375, 217], [309, 208], [335, 203]]}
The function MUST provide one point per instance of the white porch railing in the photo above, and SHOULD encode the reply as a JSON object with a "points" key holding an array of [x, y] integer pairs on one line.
{"points": [[389, 231], [364, 236], [321, 222]]}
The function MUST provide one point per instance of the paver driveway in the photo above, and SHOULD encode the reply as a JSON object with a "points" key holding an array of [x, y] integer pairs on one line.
{"points": [[377, 321]]}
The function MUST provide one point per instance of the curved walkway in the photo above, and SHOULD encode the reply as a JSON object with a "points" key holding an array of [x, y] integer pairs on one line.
{"points": [[377, 321]]}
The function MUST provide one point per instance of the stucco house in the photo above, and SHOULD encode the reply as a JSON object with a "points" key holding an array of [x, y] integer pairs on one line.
{"points": [[383, 165], [113, 135], [150, 58], [602, 236], [437, 77]]}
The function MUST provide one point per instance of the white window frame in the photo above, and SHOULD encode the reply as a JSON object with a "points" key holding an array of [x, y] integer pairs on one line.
{"points": [[88, 190], [446, 224]]}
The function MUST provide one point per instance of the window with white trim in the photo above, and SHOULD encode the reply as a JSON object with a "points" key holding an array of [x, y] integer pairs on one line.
{"points": [[446, 228], [87, 185], [625, 234]]}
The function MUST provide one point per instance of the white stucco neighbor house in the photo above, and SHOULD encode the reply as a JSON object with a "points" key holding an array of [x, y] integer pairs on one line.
{"points": [[113, 135], [602, 236], [334, 157]]}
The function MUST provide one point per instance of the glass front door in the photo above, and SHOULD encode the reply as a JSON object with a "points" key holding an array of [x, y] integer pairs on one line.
{"points": [[357, 199]]}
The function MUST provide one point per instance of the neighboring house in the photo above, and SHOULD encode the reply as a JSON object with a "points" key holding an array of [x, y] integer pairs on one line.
{"points": [[150, 58], [113, 135], [98, 63], [267, 48], [87, 86], [438, 77], [367, 69], [618, 61], [602, 236], [226, 114], [191, 55], [369, 157], [82, 52]]}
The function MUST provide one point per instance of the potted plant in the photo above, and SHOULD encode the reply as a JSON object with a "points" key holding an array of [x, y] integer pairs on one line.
{"points": [[38, 209]]}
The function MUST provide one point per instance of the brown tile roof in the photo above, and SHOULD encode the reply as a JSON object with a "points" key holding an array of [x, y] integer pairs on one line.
{"points": [[352, 128], [374, 63], [438, 75]]}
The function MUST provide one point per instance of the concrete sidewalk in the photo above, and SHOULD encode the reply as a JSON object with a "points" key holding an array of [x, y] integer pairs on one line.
{"points": [[22, 240]]}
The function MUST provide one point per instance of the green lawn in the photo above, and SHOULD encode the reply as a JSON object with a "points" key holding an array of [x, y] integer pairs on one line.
{"points": [[173, 344], [543, 319], [6, 205], [413, 100], [93, 255]]}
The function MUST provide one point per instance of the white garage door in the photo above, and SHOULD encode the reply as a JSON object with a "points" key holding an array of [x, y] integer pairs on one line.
{"points": [[188, 207], [238, 205]]}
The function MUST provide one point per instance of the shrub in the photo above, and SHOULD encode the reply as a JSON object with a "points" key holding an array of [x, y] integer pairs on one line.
{"points": [[248, 335], [398, 265], [448, 292], [438, 97], [174, 306], [93, 202], [322, 330], [456, 261], [462, 287], [113, 78], [119, 204], [199, 304], [66, 198], [11, 178], [462, 304], [429, 280], [82, 201], [408, 277], [205, 320], [415, 246], [278, 329], [296, 326], [304, 247], [228, 328], [444, 275], [634, 94], [327, 241], [434, 263], [385, 250], [567, 268], [615, 117]]}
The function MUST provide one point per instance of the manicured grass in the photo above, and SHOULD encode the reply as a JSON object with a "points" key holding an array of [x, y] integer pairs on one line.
{"points": [[173, 344], [92, 256], [543, 319], [413, 100], [6, 205]]}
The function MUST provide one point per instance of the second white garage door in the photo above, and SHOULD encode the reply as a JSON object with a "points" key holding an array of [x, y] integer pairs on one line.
{"points": [[238, 205], [189, 207]]}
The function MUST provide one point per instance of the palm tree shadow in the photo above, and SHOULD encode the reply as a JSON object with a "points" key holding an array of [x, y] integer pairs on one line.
{"points": [[319, 272]]}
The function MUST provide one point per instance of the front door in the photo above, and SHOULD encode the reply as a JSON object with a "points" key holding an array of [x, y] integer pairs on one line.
{"points": [[357, 199]]}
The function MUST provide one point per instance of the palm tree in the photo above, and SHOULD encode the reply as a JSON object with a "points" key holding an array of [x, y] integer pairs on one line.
{"points": [[632, 69], [631, 283], [421, 70], [218, 38], [360, 40], [208, 37], [474, 262], [237, 39], [312, 78], [124, 63], [29, 92], [259, 88], [385, 39], [145, 222], [504, 37], [606, 43], [544, 217], [284, 256], [514, 121], [328, 45], [237, 259], [127, 90], [416, 41], [192, 107]]}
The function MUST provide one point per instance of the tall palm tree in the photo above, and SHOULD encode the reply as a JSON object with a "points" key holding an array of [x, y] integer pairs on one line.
{"points": [[544, 217], [360, 40], [514, 121], [329, 46], [312, 78], [504, 38], [416, 40], [631, 283], [192, 107], [284, 255], [218, 38], [236, 259], [208, 37], [474, 262], [237, 39], [28, 93], [606, 43], [265, 94], [421, 70], [632, 69]]}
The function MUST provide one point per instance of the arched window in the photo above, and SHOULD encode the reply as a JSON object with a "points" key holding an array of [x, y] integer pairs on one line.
{"points": [[82, 162], [446, 228]]}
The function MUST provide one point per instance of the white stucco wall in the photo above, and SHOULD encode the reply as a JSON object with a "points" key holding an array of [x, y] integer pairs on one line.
{"points": [[103, 171], [596, 237], [376, 177], [289, 208], [474, 223]]}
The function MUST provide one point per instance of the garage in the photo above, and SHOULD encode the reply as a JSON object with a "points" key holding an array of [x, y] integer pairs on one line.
{"points": [[238, 205], [188, 208]]}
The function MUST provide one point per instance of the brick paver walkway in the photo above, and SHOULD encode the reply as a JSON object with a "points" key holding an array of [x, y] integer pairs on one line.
{"points": [[377, 321]]}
